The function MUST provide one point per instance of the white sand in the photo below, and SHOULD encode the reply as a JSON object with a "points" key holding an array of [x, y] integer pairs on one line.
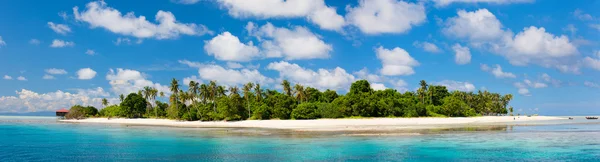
{"points": [[374, 124]]}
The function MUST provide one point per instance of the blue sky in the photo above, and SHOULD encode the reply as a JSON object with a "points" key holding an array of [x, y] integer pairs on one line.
{"points": [[56, 54]]}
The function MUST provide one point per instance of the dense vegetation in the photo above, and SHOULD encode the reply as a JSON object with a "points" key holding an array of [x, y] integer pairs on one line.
{"points": [[209, 102], [80, 112]]}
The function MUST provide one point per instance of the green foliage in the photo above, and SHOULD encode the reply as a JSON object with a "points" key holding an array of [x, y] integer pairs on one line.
{"points": [[133, 106], [328, 110], [305, 111], [261, 112], [111, 111], [80, 112]]}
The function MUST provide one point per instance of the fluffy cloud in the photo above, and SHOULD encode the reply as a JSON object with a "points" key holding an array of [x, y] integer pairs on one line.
{"points": [[546, 78], [534, 84], [125, 81], [315, 11], [56, 71], [292, 44], [462, 55], [2, 43], [582, 16], [98, 14], [523, 86], [48, 77], [497, 71], [21, 78], [90, 52], [59, 28], [228, 47], [234, 65], [364, 74], [378, 86], [591, 84], [29, 101], [396, 61], [429, 47], [233, 77], [531, 46], [522, 89], [476, 26], [86, 74], [456, 85], [444, 3], [194, 78], [336, 79], [593, 62], [34, 42], [6, 77], [57, 43], [386, 16], [186, 2]]}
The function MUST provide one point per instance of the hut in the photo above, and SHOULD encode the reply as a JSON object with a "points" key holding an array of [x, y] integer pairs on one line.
{"points": [[62, 112]]}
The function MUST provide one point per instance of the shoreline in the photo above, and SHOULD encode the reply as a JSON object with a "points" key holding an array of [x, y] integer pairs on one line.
{"points": [[327, 125]]}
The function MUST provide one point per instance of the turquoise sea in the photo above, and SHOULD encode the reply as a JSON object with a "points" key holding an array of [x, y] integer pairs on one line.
{"points": [[44, 139]]}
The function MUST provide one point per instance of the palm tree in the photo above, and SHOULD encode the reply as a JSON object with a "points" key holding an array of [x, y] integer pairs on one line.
{"points": [[193, 90], [300, 94], [234, 90], [104, 102], [175, 89], [183, 98], [247, 88], [204, 93], [153, 93], [121, 97], [146, 92], [258, 92], [213, 94], [286, 87], [221, 91], [422, 91]]}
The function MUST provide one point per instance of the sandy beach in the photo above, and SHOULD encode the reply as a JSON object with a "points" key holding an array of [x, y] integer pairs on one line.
{"points": [[374, 124]]}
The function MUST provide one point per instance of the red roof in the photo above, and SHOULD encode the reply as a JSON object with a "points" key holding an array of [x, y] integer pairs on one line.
{"points": [[63, 110]]}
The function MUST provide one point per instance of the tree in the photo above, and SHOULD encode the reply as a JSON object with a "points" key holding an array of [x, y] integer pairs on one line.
{"points": [[305, 111], [300, 94], [104, 102], [247, 88], [133, 106], [121, 97], [361, 86], [213, 94], [174, 87], [80, 112], [183, 98], [422, 91], [204, 93], [329, 96], [286, 87], [258, 92]]}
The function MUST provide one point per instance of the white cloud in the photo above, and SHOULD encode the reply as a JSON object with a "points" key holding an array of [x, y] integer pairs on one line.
{"points": [[56, 71], [120, 41], [497, 71], [234, 65], [21, 78], [315, 11], [462, 55], [6, 77], [386, 16], [534, 84], [592, 63], [86, 74], [233, 76], [228, 47], [531, 46], [476, 26], [186, 80], [456, 85], [546, 78], [34, 42], [2, 43], [125, 81], [186, 2], [292, 44], [399, 85], [63, 15], [48, 77], [59, 28], [444, 3], [396, 61], [29, 101], [336, 79], [582, 16], [378, 86], [364, 74], [57, 43], [90, 52], [429, 47], [522, 89], [591, 84], [98, 14]]}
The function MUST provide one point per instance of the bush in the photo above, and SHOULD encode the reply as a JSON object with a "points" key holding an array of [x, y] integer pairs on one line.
{"points": [[80, 112], [327, 110], [305, 111], [261, 112], [111, 111], [134, 106]]}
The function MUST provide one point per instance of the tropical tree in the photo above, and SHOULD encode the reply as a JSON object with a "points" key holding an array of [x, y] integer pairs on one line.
{"points": [[204, 93], [121, 97], [213, 94], [247, 88], [286, 87], [104, 102], [193, 90], [174, 87], [258, 92], [299, 91], [422, 91], [183, 98]]}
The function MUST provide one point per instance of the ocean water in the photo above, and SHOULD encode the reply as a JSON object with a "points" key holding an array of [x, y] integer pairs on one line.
{"points": [[44, 139]]}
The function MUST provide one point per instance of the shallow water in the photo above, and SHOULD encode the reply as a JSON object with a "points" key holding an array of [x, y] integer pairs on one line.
{"points": [[44, 139]]}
